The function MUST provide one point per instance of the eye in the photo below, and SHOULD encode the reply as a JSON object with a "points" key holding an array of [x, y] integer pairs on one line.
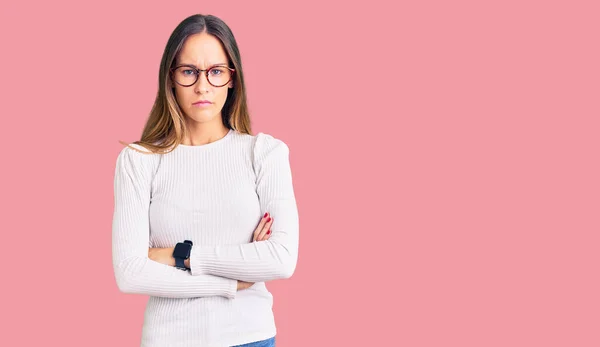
{"points": [[188, 72], [216, 71]]}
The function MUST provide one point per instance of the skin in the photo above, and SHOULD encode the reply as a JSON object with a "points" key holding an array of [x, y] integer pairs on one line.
{"points": [[205, 125], [165, 255]]}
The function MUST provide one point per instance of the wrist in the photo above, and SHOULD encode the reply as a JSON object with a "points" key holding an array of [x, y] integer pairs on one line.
{"points": [[172, 258], [181, 254]]}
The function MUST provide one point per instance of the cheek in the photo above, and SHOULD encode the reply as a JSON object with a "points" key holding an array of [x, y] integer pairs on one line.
{"points": [[184, 96], [223, 95]]}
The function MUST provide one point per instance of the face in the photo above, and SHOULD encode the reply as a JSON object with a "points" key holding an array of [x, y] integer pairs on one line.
{"points": [[202, 51]]}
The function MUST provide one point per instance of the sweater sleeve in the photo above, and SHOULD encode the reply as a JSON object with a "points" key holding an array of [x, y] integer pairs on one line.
{"points": [[276, 257], [134, 272]]}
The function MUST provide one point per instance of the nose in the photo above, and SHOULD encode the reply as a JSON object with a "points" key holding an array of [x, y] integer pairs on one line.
{"points": [[202, 82]]}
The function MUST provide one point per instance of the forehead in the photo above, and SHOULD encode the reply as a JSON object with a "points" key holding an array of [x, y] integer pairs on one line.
{"points": [[202, 50]]}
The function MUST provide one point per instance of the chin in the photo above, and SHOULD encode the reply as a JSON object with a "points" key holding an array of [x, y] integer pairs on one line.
{"points": [[202, 117]]}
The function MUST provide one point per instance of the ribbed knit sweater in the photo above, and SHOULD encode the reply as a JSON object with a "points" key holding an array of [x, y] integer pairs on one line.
{"points": [[214, 195]]}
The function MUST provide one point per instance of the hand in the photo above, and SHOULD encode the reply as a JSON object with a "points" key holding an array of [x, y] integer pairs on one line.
{"points": [[241, 285], [162, 255], [263, 231]]}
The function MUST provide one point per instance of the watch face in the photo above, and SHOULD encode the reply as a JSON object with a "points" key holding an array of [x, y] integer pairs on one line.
{"points": [[182, 250]]}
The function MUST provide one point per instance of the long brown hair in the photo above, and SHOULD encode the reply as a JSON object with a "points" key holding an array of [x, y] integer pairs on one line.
{"points": [[166, 126]]}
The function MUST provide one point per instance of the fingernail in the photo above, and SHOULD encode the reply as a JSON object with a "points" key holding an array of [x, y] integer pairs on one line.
{"points": [[266, 214], [268, 220], [268, 232]]}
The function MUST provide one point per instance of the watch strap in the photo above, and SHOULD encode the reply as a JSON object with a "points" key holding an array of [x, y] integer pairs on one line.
{"points": [[180, 263]]}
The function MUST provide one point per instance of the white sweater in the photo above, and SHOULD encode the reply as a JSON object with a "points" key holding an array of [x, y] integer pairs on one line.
{"points": [[214, 195]]}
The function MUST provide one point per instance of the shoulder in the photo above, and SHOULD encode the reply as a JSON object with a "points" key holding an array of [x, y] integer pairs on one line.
{"points": [[262, 144], [134, 151], [137, 157], [265, 144], [269, 152]]}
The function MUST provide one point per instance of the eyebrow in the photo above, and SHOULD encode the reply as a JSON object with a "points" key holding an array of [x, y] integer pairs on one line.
{"points": [[217, 64]]}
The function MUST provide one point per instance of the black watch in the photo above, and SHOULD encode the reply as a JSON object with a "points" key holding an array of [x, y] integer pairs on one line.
{"points": [[181, 253]]}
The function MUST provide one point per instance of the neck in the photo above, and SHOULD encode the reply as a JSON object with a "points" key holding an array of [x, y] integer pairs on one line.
{"points": [[202, 134]]}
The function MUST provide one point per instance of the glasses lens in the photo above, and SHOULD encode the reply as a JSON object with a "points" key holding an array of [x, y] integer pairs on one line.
{"points": [[185, 75], [219, 76]]}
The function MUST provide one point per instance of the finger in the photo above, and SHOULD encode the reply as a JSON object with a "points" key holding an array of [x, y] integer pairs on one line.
{"points": [[266, 229], [267, 235], [263, 221], [260, 234], [260, 226]]}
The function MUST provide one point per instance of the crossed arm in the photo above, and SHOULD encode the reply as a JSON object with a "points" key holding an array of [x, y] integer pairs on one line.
{"points": [[214, 270], [164, 255]]}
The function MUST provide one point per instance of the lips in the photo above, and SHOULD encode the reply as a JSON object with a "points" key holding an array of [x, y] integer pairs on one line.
{"points": [[202, 102]]}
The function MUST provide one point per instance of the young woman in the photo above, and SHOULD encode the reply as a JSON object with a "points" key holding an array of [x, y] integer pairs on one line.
{"points": [[205, 212]]}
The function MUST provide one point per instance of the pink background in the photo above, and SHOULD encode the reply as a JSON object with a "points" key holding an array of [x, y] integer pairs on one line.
{"points": [[445, 161]]}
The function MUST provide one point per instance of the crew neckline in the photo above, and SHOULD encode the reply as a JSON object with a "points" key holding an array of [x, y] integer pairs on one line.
{"points": [[208, 145]]}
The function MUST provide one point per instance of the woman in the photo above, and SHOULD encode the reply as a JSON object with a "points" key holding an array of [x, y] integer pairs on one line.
{"points": [[205, 212]]}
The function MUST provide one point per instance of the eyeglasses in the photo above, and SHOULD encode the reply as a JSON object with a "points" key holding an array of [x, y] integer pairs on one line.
{"points": [[187, 75]]}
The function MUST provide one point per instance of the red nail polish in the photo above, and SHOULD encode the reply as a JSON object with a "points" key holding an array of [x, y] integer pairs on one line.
{"points": [[268, 220], [268, 232], [266, 214]]}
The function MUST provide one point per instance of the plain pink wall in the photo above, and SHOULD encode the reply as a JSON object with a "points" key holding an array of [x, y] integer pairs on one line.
{"points": [[444, 154]]}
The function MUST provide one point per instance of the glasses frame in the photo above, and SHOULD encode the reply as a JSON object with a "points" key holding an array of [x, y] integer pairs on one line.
{"points": [[198, 71]]}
